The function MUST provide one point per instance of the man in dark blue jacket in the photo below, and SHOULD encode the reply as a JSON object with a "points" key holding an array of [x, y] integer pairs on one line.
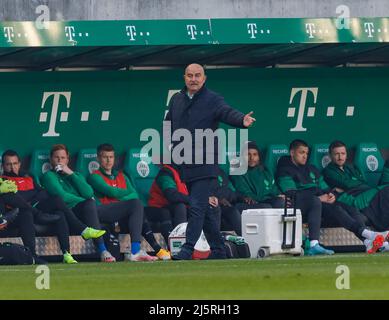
{"points": [[195, 107]]}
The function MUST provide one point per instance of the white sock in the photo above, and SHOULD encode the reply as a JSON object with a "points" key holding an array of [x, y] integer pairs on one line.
{"points": [[366, 242], [368, 234], [313, 243]]}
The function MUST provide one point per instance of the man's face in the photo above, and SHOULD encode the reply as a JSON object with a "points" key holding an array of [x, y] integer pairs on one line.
{"points": [[106, 160], [12, 164], [194, 78], [253, 159], [339, 156], [300, 155], [59, 157]]}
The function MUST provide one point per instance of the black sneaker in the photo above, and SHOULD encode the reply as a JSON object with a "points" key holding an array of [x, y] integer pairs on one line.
{"points": [[217, 254], [183, 255], [45, 218]]}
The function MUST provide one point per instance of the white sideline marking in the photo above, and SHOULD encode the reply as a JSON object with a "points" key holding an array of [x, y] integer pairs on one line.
{"points": [[28, 270]]}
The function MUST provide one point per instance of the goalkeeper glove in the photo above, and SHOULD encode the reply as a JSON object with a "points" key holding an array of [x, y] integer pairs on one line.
{"points": [[7, 186]]}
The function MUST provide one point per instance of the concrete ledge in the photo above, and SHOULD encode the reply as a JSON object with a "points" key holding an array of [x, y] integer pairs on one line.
{"points": [[20, 10]]}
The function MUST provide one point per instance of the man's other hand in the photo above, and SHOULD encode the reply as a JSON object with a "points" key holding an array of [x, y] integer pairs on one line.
{"points": [[213, 201]]}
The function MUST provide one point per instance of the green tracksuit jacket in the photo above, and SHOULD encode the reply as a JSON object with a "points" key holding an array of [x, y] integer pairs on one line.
{"points": [[257, 183], [73, 188]]}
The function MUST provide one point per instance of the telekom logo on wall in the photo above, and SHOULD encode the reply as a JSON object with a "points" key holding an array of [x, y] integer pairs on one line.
{"points": [[56, 106], [304, 110], [52, 114]]}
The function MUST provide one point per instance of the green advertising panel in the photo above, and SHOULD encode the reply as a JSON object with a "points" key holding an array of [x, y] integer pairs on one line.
{"points": [[192, 31], [104, 33], [83, 109]]}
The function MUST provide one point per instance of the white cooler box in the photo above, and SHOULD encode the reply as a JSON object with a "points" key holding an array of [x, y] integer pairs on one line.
{"points": [[268, 232]]}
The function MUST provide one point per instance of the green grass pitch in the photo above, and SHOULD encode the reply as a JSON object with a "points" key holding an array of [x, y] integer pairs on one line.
{"points": [[271, 278]]}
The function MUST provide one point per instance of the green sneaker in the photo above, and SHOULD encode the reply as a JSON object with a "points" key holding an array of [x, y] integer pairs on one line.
{"points": [[67, 258], [90, 233], [235, 239]]}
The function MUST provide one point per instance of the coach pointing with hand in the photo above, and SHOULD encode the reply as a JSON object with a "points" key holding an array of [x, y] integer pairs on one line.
{"points": [[196, 107]]}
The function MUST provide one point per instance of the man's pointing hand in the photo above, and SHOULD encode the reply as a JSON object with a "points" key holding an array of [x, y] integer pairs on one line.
{"points": [[248, 120]]}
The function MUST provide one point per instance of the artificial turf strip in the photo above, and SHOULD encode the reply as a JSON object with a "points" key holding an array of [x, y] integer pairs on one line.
{"points": [[271, 278]]}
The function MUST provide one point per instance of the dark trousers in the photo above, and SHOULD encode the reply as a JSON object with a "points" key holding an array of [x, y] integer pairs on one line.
{"points": [[202, 217], [158, 217], [25, 225], [128, 213], [25, 221], [275, 202], [55, 204], [86, 211], [311, 210], [231, 219], [378, 210], [342, 215], [178, 213], [61, 229]]}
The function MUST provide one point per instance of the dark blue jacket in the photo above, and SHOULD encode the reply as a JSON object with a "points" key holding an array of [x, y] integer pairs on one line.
{"points": [[204, 111]]}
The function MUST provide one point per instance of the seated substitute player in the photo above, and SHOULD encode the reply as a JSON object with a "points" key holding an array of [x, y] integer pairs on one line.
{"points": [[352, 189], [38, 198], [77, 194], [228, 199], [168, 192], [115, 191], [257, 186], [20, 215], [315, 199]]}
